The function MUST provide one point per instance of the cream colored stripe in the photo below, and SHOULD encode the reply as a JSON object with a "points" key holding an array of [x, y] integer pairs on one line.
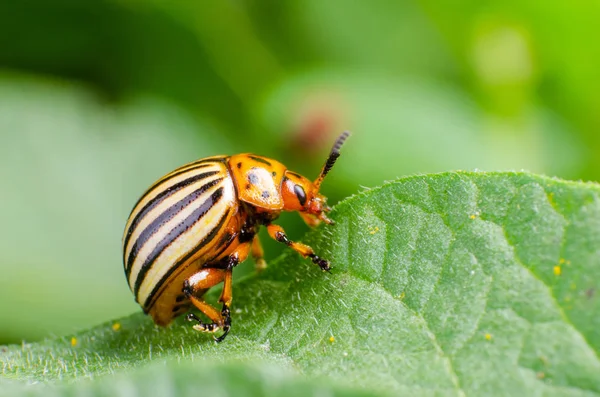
{"points": [[186, 242], [164, 205], [148, 196], [148, 247]]}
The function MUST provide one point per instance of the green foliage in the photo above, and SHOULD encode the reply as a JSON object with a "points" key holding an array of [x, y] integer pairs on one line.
{"points": [[448, 284]]}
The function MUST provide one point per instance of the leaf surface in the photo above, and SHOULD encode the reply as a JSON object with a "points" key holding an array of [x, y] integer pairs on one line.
{"points": [[447, 284]]}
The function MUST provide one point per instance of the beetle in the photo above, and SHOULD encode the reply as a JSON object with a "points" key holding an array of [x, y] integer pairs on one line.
{"points": [[194, 225]]}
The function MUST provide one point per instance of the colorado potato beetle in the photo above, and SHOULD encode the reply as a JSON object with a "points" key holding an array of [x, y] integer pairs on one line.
{"points": [[194, 225]]}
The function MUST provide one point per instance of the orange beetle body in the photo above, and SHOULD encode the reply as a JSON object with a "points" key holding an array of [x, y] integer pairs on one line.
{"points": [[193, 226]]}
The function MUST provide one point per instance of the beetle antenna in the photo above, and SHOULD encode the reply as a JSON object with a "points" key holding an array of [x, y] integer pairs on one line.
{"points": [[333, 156]]}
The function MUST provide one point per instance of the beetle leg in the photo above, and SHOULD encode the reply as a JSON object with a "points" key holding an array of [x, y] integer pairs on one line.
{"points": [[227, 295], [207, 278], [277, 233], [201, 281], [225, 299], [258, 254], [238, 256]]}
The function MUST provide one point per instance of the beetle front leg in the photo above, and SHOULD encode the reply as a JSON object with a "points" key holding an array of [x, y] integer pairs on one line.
{"points": [[278, 234]]}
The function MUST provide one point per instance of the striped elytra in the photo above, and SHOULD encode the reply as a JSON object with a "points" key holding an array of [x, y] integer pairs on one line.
{"points": [[194, 225], [175, 222]]}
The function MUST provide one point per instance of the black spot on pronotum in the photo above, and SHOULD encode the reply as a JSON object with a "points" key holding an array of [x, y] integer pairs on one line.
{"points": [[273, 173], [265, 194], [176, 308], [179, 298], [248, 186], [299, 191], [260, 160], [239, 165], [253, 178]]}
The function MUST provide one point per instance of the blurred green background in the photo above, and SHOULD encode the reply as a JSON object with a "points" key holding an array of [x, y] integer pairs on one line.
{"points": [[100, 98]]}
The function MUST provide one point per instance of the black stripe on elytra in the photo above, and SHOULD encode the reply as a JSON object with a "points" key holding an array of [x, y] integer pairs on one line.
{"points": [[194, 165], [260, 160], [163, 218], [175, 233], [209, 237], [163, 195], [183, 169]]}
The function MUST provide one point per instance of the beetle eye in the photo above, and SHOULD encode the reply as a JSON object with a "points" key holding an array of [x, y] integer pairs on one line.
{"points": [[299, 191]]}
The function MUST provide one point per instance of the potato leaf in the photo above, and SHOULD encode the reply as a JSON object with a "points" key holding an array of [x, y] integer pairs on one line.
{"points": [[448, 284]]}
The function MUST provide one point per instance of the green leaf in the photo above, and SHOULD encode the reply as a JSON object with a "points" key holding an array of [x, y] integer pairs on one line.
{"points": [[447, 284], [193, 379]]}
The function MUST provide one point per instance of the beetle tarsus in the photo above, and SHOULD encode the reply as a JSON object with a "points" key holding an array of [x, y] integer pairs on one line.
{"points": [[222, 337], [202, 326], [323, 264], [226, 313], [213, 327], [192, 317], [282, 238]]}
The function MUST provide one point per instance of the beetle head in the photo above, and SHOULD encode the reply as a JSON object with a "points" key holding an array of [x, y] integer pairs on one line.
{"points": [[300, 194]]}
